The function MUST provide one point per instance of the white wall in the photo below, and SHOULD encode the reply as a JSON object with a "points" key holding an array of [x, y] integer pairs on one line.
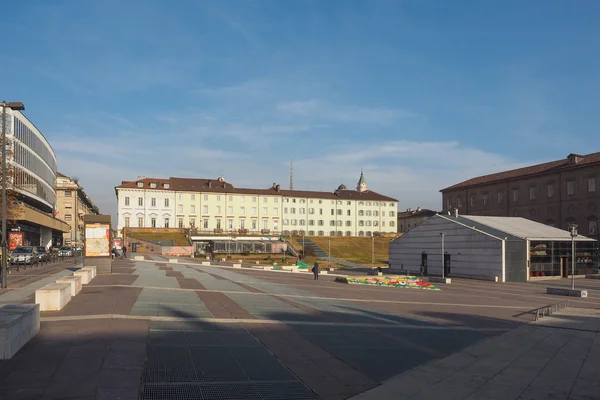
{"points": [[146, 210], [472, 253]]}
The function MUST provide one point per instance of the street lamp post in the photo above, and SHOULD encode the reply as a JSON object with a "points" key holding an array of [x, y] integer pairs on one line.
{"points": [[373, 250], [303, 248], [442, 234], [573, 229], [15, 105], [329, 252]]}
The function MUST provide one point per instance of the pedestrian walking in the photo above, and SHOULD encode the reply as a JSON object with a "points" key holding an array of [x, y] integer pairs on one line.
{"points": [[124, 251], [315, 270]]}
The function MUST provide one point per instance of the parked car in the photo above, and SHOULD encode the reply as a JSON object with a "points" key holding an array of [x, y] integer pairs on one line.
{"points": [[25, 255], [43, 254], [65, 251]]}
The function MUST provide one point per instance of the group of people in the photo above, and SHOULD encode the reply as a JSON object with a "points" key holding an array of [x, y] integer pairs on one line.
{"points": [[115, 252]]}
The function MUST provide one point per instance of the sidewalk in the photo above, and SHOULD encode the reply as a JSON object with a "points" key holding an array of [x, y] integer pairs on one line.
{"points": [[557, 357]]}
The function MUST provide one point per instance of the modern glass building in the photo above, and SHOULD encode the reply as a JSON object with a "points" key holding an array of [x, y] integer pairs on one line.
{"points": [[32, 174]]}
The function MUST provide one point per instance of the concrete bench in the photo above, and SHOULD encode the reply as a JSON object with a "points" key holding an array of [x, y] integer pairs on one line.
{"points": [[439, 279], [205, 263], [224, 259], [256, 262], [567, 292], [92, 270], [85, 274], [53, 296], [138, 258], [18, 324], [74, 281], [237, 265], [173, 260]]}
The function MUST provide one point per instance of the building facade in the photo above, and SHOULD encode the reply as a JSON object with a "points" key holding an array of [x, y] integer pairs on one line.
{"points": [[72, 204], [559, 193], [409, 219], [31, 166], [215, 206]]}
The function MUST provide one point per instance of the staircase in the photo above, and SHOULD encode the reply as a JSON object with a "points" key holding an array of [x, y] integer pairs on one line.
{"points": [[310, 245], [320, 254]]}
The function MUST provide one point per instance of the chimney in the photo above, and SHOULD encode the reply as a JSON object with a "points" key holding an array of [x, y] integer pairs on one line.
{"points": [[278, 188], [274, 185], [209, 183], [456, 213]]}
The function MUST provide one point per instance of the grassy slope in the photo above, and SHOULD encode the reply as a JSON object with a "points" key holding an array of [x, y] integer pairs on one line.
{"points": [[357, 249], [178, 238]]}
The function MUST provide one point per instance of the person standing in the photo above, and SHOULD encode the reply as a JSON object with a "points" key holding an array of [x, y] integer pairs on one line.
{"points": [[124, 251], [315, 270]]}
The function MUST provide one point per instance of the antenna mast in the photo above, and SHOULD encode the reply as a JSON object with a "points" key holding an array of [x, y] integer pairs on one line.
{"points": [[292, 175]]}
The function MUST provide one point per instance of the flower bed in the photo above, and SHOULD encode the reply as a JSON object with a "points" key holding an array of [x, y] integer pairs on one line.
{"points": [[411, 282]]}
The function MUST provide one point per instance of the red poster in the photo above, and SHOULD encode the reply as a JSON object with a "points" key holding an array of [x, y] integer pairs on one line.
{"points": [[15, 240]]}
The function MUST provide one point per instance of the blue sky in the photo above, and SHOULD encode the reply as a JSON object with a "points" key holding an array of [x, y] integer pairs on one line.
{"points": [[419, 94]]}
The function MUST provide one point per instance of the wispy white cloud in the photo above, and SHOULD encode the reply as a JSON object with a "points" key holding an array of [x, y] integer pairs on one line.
{"points": [[327, 111]]}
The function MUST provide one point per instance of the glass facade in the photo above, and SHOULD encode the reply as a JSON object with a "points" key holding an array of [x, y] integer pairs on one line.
{"points": [[34, 162], [553, 258]]}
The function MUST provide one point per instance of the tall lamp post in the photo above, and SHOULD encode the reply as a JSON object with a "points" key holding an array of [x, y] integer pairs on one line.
{"points": [[303, 248], [329, 252], [442, 234], [573, 229], [373, 250], [14, 105]]}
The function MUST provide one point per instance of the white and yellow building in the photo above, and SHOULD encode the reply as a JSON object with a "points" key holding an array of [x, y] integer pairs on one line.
{"points": [[215, 206]]}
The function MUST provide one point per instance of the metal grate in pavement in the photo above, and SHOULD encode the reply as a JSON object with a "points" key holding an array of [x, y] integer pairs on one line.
{"points": [[290, 390]]}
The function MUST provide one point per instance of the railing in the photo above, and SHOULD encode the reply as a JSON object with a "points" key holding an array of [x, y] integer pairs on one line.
{"points": [[546, 311]]}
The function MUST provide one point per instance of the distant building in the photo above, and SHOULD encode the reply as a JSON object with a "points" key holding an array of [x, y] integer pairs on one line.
{"points": [[215, 206], [72, 204], [411, 218], [31, 169], [558, 193]]}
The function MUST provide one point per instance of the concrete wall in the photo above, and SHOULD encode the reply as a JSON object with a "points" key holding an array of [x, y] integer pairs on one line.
{"points": [[177, 250], [473, 254]]}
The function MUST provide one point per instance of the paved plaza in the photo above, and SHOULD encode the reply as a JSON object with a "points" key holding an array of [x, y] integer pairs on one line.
{"points": [[160, 330]]}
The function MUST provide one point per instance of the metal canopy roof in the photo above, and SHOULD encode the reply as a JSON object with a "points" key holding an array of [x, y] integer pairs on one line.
{"points": [[524, 228]]}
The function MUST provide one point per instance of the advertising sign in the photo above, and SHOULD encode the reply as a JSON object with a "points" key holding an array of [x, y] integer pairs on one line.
{"points": [[15, 239], [97, 240], [117, 243]]}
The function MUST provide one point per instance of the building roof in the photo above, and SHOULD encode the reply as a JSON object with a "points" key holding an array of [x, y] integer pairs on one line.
{"points": [[572, 161], [417, 213], [221, 186], [516, 226]]}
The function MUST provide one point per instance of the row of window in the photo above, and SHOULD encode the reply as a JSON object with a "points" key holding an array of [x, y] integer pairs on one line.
{"points": [[320, 222], [25, 157], [265, 210], [336, 233], [242, 199], [33, 141], [533, 193], [230, 223], [26, 182]]}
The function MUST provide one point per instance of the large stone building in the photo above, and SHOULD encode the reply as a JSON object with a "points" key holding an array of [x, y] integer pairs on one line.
{"points": [[557, 193], [31, 171], [215, 206], [409, 219], [72, 204]]}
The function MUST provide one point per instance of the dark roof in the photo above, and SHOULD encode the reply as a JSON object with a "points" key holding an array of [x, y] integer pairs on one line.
{"points": [[220, 186], [146, 181], [549, 167], [61, 175], [417, 213]]}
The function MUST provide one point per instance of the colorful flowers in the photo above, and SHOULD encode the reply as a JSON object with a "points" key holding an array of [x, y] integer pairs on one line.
{"points": [[412, 282]]}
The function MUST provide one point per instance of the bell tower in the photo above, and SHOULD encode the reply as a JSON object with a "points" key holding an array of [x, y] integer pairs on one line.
{"points": [[362, 183]]}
